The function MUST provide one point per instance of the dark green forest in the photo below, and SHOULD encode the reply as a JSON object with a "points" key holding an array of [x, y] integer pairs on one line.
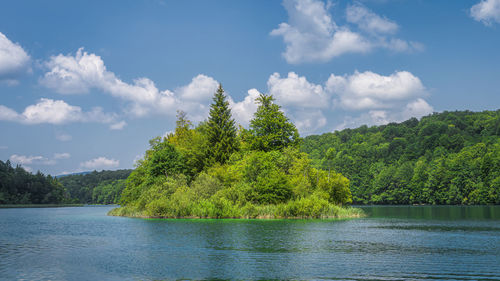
{"points": [[104, 187], [445, 158], [219, 170], [17, 186]]}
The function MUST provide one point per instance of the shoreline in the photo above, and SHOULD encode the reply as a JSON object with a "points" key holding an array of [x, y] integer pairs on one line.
{"points": [[350, 213]]}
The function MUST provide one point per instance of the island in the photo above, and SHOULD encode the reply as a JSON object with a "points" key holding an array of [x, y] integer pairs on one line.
{"points": [[217, 169]]}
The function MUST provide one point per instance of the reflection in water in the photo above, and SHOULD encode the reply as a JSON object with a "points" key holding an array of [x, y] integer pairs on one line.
{"points": [[434, 212], [397, 243]]}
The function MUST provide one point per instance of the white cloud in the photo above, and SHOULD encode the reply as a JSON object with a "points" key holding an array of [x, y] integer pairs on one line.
{"points": [[416, 108], [21, 159], [372, 98], [13, 60], [52, 112], [26, 160], [201, 88], [311, 35], [369, 21], [56, 112], [64, 155], [100, 163], [3, 147], [296, 91], [369, 90], [7, 114], [84, 71], [486, 11], [308, 121], [118, 126], [243, 111]]}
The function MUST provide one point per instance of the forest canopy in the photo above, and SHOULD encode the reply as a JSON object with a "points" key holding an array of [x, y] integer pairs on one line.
{"points": [[104, 187], [215, 170], [17, 186], [445, 158]]}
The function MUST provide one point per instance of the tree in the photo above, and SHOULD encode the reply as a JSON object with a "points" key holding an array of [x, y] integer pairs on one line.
{"points": [[221, 131], [330, 155], [165, 159], [270, 129]]}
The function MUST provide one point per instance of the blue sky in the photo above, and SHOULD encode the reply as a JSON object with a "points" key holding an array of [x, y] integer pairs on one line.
{"points": [[85, 84]]}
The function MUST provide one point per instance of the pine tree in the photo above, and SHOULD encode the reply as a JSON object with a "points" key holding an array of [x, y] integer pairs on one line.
{"points": [[270, 129], [221, 129]]}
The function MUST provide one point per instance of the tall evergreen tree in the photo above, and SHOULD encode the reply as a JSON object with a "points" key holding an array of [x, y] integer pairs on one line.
{"points": [[221, 129], [270, 129]]}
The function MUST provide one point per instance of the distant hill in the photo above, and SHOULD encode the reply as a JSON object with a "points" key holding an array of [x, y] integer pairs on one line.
{"points": [[445, 158], [102, 187]]}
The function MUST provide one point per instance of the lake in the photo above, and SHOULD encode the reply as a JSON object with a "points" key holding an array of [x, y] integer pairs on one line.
{"points": [[394, 243]]}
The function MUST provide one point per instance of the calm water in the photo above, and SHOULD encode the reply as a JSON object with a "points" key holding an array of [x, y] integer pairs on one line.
{"points": [[396, 243]]}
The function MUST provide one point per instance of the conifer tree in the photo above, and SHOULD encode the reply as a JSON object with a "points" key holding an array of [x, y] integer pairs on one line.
{"points": [[270, 129], [221, 129]]}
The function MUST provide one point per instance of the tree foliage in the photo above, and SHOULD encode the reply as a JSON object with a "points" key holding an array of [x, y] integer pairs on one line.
{"points": [[95, 187], [221, 129], [17, 186], [445, 158], [199, 172], [270, 129]]}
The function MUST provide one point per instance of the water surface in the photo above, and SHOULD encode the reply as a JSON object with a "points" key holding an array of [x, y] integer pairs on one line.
{"points": [[395, 243]]}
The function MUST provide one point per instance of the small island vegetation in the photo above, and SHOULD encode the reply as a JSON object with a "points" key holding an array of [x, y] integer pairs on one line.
{"points": [[219, 170]]}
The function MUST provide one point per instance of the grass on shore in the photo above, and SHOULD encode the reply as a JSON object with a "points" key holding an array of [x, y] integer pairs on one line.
{"points": [[290, 210]]}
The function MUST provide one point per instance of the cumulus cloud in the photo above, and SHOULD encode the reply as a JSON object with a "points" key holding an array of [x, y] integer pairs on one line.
{"points": [[311, 35], [308, 121], [100, 163], [8, 114], [13, 60], [201, 88], [369, 21], [415, 108], [364, 97], [243, 111], [48, 111], [369, 90], [486, 11], [27, 160], [78, 74], [379, 99], [295, 90], [21, 159], [24, 160], [118, 126]]}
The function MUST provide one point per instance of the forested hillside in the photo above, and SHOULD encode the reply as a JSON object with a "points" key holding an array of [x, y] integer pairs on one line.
{"points": [[103, 187], [445, 158], [17, 186]]}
